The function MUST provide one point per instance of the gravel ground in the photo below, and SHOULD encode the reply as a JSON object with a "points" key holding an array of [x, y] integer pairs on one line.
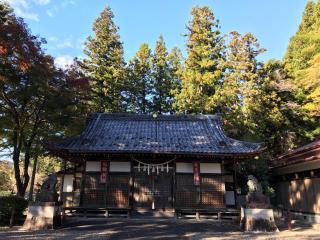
{"points": [[143, 229]]}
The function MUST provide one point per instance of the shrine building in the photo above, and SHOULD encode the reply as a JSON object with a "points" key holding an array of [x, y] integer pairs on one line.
{"points": [[167, 162]]}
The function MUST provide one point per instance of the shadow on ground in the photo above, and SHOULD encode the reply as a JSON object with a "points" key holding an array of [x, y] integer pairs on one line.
{"points": [[126, 229], [142, 229]]}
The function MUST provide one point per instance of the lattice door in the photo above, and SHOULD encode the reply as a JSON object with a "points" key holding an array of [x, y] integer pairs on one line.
{"points": [[143, 196], [118, 189], [94, 192], [163, 190], [154, 190], [212, 191], [186, 192]]}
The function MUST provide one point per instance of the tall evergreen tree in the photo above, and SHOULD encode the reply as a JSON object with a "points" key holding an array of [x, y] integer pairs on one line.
{"points": [[276, 112], [309, 80], [307, 17], [104, 64], [305, 44], [316, 16], [175, 59], [162, 81], [241, 81], [139, 81], [301, 60], [203, 71]]}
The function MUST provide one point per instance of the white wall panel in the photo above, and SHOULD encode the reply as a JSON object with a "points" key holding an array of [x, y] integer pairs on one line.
{"points": [[182, 167], [120, 167], [210, 168], [68, 183], [93, 167]]}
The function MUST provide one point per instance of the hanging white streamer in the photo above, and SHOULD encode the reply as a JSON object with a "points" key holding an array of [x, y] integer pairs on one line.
{"points": [[154, 167]]}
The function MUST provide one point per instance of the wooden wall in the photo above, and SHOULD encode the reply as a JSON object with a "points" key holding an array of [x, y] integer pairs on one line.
{"points": [[302, 195], [127, 187]]}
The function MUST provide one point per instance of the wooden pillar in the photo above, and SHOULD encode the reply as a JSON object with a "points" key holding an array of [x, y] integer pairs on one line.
{"points": [[174, 186], [197, 181], [83, 181], [131, 185], [223, 182], [74, 184], [105, 191], [107, 183], [62, 180], [235, 183]]}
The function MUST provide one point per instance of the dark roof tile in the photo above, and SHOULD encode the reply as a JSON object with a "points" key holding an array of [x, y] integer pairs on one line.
{"points": [[147, 134]]}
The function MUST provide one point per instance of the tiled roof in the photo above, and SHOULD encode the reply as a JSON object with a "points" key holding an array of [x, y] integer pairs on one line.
{"points": [[308, 147], [176, 134], [308, 152]]}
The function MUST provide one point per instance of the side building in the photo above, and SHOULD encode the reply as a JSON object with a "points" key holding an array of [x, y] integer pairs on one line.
{"points": [[167, 162], [297, 181]]}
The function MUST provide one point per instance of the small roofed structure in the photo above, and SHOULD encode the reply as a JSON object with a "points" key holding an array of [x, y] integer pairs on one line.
{"points": [[297, 180], [128, 161]]}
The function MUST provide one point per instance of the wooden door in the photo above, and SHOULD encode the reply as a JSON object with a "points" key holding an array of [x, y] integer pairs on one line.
{"points": [[118, 190], [163, 190], [212, 191], [94, 191], [152, 191]]}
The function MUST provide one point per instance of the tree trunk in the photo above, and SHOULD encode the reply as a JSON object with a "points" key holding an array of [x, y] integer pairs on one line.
{"points": [[33, 176], [27, 155], [13, 212], [26, 164], [16, 159]]}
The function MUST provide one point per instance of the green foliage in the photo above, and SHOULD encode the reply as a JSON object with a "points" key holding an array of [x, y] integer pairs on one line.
{"points": [[163, 77], [153, 79], [307, 17], [308, 94], [104, 65], [240, 87], [139, 81], [305, 44], [276, 108], [269, 191], [7, 203], [78, 88], [309, 81], [5, 12], [48, 165], [6, 177], [257, 167], [175, 59], [302, 62], [35, 98], [203, 70]]}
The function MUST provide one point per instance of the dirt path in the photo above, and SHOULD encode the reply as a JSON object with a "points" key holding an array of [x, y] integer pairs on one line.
{"points": [[143, 229]]}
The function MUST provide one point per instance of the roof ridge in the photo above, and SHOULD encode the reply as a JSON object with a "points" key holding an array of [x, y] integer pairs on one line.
{"points": [[149, 117]]}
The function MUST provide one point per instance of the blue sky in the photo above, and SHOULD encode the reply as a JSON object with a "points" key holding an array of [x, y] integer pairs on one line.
{"points": [[66, 23]]}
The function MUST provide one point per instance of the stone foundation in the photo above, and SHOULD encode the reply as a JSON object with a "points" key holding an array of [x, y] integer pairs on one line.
{"points": [[257, 219], [43, 216]]}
